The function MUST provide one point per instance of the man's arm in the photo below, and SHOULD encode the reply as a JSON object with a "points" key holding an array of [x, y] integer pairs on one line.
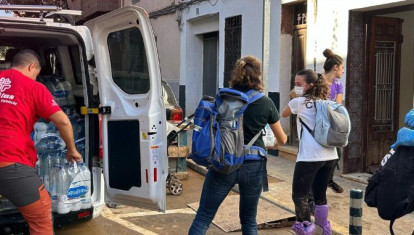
{"points": [[64, 126]]}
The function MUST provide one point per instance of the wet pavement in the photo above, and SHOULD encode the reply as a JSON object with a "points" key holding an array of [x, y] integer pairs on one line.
{"points": [[176, 220]]}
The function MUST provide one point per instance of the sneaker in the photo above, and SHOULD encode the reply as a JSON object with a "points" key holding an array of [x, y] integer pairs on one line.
{"points": [[335, 187]]}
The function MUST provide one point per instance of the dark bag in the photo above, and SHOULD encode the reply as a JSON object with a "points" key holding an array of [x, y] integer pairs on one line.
{"points": [[391, 188]]}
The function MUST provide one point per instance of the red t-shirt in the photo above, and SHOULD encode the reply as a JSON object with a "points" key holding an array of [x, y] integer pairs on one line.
{"points": [[22, 102]]}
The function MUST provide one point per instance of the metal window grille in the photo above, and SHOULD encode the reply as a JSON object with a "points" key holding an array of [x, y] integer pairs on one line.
{"points": [[232, 44], [384, 86]]}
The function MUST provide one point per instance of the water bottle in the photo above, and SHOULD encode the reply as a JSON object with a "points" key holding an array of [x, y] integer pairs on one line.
{"points": [[47, 166], [40, 129], [38, 166], [60, 93], [54, 183], [75, 183], [86, 176], [67, 87], [80, 146], [49, 143], [63, 205]]}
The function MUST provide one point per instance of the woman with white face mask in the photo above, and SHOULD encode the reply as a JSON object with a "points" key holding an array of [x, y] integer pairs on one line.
{"points": [[314, 162]]}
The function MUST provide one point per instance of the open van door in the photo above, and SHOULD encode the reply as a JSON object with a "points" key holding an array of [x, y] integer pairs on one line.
{"points": [[134, 119]]}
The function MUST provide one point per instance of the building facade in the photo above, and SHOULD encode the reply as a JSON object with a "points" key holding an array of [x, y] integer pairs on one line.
{"points": [[200, 40]]}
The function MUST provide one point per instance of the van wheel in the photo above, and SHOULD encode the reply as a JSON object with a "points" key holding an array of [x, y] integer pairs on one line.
{"points": [[176, 187]]}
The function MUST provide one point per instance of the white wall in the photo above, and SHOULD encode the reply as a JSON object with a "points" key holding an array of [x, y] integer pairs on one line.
{"points": [[407, 64], [285, 76], [251, 41]]}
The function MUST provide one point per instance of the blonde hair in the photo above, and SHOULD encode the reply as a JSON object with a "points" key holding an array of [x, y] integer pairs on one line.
{"points": [[247, 74]]}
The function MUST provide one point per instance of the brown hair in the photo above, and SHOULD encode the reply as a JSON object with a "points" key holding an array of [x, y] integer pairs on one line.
{"points": [[319, 90], [247, 74], [331, 60]]}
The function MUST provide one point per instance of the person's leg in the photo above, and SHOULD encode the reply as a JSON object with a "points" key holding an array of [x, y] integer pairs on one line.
{"points": [[24, 188], [319, 190], [250, 185], [303, 177], [215, 189], [332, 184]]}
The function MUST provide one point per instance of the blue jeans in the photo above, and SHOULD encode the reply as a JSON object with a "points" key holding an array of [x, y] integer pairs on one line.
{"points": [[217, 186]]}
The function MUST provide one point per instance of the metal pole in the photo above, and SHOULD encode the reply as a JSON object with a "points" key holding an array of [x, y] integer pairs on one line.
{"points": [[355, 212]]}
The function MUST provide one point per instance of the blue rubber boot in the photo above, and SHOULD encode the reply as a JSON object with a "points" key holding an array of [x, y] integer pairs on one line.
{"points": [[321, 219]]}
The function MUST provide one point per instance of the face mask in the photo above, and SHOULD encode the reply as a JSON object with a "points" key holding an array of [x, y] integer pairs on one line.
{"points": [[299, 90]]}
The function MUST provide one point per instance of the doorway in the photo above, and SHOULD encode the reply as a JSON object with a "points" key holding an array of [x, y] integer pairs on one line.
{"points": [[210, 64], [373, 87], [298, 58], [384, 55]]}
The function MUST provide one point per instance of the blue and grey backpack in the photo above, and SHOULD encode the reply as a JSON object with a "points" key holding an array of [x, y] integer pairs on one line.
{"points": [[218, 139], [332, 124]]}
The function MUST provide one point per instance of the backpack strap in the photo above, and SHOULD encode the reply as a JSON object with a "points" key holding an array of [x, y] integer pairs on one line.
{"points": [[254, 95], [251, 142], [391, 224], [304, 124]]}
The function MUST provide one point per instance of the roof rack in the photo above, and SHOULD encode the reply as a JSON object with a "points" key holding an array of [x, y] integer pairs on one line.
{"points": [[48, 9]]}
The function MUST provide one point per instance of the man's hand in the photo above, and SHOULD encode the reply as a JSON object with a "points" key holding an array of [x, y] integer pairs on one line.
{"points": [[405, 137], [409, 119], [73, 156]]}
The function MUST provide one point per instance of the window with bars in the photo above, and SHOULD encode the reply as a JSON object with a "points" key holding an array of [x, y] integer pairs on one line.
{"points": [[384, 85], [232, 45]]}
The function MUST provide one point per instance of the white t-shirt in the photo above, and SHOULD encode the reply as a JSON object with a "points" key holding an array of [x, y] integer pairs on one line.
{"points": [[309, 149]]}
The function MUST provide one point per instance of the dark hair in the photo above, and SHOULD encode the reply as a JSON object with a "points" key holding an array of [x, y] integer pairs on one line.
{"points": [[331, 60], [25, 57], [247, 74], [319, 90]]}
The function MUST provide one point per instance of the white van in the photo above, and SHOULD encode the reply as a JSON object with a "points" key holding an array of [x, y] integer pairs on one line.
{"points": [[125, 88]]}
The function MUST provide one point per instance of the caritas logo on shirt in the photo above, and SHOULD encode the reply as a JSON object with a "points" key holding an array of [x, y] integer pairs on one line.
{"points": [[5, 84]]}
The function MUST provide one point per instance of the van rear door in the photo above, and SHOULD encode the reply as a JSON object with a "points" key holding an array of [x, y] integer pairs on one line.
{"points": [[134, 119]]}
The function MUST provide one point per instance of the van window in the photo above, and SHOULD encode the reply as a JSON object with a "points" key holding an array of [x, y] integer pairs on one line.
{"points": [[129, 61]]}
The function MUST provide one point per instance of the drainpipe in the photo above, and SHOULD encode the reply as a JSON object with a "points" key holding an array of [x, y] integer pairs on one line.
{"points": [[266, 44]]}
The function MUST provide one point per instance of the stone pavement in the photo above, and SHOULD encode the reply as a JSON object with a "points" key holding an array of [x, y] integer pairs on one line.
{"points": [[280, 193]]}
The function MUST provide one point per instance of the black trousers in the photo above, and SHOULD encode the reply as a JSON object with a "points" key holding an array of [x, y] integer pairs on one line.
{"points": [[307, 176], [339, 151]]}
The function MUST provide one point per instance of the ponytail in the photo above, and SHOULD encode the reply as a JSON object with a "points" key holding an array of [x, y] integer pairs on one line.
{"points": [[319, 88], [331, 60]]}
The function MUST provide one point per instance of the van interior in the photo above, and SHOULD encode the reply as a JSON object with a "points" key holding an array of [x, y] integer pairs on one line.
{"points": [[65, 73]]}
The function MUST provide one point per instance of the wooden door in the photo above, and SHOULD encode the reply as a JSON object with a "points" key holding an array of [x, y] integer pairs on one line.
{"points": [[298, 64], [384, 52]]}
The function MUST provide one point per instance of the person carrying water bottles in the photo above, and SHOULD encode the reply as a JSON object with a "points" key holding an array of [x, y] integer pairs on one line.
{"points": [[22, 102]]}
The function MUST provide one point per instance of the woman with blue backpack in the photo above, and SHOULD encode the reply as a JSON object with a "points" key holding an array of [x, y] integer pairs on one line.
{"points": [[315, 162], [246, 79]]}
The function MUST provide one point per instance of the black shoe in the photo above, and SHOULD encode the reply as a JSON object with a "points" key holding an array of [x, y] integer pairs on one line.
{"points": [[335, 187]]}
